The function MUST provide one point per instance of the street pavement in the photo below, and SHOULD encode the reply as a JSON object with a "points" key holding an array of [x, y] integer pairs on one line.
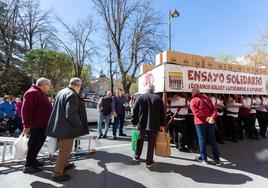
{"points": [[111, 166]]}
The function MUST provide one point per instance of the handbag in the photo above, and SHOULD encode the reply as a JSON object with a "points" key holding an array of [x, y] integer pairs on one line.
{"points": [[162, 146]]}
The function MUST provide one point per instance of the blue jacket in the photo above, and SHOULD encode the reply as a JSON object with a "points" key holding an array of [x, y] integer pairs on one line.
{"points": [[9, 109]]}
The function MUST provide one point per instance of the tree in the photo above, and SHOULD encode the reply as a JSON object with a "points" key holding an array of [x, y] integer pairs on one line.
{"points": [[259, 57], [110, 60], [13, 80], [86, 76], [133, 28], [10, 48], [51, 64], [34, 22], [80, 46]]}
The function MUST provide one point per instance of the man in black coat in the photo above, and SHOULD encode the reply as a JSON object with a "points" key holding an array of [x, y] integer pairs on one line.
{"points": [[67, 121], [148, 115]]}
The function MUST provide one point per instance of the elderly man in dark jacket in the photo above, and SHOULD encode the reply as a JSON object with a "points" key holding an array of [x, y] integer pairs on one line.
{"points": [[67, 121], [148, 115]]}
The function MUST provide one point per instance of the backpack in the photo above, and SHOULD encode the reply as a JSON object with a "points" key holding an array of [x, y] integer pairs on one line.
{"points": [[106, 106]]}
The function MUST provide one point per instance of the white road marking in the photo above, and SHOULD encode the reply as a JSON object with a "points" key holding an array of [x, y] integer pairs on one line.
{"points": [[114, 146]]}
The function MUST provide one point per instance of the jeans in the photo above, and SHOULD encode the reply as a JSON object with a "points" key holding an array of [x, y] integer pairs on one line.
{"points": [[201, 131], [107, 122], [118, 121]]}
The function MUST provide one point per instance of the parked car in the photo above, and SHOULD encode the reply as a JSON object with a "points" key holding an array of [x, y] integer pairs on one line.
{"points": [[91, 109]]}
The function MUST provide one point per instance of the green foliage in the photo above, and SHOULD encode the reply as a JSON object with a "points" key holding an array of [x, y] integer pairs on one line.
{"points": [[53, 65], [134, 88], [86, 76], [13, 80]]}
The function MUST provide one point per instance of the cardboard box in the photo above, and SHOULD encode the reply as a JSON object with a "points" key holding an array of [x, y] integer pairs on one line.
{"points": [[256, 70], [177, 57], [185, 59], [209, 62], [265, 70], [145, 68], [248, 69], [159, 59], [197, 61], [170, 57], [240, 68], [220, 65], [230, 67]]}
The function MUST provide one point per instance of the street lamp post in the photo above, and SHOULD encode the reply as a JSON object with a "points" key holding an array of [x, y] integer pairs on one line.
{"points": [[172, 14]]}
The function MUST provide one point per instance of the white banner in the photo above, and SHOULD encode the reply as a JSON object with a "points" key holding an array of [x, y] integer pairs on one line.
{"points": [[183, 79]]}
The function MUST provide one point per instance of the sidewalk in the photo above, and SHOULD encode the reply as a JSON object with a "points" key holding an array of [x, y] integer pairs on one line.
{"points": [[245, 165]]}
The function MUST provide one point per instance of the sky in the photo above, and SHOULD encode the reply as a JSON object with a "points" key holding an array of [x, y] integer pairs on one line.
{"points": [[204, 27]]}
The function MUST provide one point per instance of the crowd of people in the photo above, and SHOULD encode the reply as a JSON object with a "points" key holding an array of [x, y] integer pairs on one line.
{"points": [[192, 120], [10, 116]]}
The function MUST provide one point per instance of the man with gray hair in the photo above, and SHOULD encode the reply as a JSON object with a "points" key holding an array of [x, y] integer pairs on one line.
{"points": [[36, 110], [148, 115], [68, 120]]}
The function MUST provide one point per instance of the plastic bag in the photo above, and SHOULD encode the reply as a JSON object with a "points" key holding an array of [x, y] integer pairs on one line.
{"points": [[21, 147], [134, 139], [52, 145]]}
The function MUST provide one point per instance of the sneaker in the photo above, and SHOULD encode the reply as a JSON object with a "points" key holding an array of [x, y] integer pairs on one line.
{"points": [[199, 159], [31, 169], [218, 162], [104, 136], [114, 138], [62, 178], [100, 136]]}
